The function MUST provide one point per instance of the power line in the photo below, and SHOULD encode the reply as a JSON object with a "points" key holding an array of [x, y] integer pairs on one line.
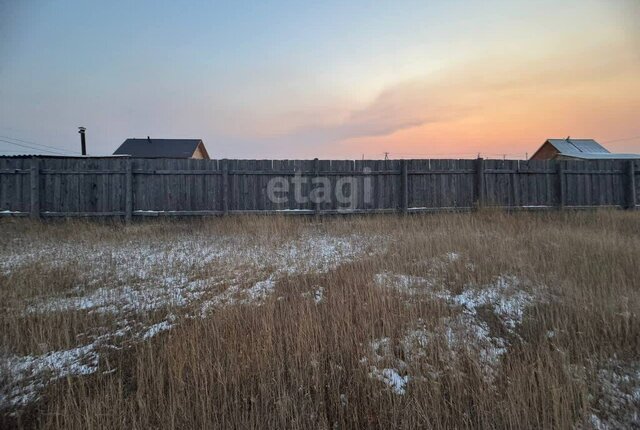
{"points": [[20, 140], [57, 152], [622, 139], [502, 155], [35, 143], [32, 147], [5, 151], [431, 154]]}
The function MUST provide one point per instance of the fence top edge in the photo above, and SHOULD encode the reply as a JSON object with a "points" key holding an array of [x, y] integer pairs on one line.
{"points": [[356, 162]]}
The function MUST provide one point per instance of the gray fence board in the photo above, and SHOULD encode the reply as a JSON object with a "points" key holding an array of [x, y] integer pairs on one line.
{"points": [[101, 186]]}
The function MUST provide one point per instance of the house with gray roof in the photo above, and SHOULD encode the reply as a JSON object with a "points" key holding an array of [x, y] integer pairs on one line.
{"points": [[577, 149], [163, 148]]}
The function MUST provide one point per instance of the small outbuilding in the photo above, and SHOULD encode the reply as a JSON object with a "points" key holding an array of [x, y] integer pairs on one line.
{"points": [[576, 149], [164, 148]]}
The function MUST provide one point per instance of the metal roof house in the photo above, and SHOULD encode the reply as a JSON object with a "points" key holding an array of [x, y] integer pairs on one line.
{"points": [[163, 148], [576, 149]]}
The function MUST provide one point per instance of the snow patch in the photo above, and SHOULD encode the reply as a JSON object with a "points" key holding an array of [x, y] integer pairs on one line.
{"points": [[406, 284], [392, 378], [504, 296], [317, 295], [153, 276], [464, 334], [27, 375], [171, 292], [260, 291], [618, 396], [157, 328]]}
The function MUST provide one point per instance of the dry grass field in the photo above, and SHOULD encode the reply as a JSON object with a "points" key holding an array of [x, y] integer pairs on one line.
{"points": [[484, 320]]}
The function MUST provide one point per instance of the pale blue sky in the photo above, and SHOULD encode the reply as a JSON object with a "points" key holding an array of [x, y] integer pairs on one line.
{"points": [[286, 79]]}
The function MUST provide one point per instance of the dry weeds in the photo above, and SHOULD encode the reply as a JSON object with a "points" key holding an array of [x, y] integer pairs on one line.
{"points": [[485, 320]]}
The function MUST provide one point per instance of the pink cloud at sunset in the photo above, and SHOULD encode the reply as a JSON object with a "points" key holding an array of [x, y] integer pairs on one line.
{"points": [[330, 79]]}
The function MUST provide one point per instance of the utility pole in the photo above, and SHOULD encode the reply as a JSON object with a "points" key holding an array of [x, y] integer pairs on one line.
{"points": [[83, 142]]}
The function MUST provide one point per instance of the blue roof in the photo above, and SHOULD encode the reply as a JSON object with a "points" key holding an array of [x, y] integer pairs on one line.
{"points": [[586, 149], [601, 156], [577, 146]]}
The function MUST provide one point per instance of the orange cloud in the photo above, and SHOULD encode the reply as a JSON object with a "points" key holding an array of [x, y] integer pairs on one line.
{"points": [[491, 109], [503, 104]]}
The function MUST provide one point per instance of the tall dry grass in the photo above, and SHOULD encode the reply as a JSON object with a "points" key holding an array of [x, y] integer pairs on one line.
{"points": [[295, 362]]}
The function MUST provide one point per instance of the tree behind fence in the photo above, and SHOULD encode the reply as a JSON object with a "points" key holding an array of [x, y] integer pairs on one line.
{"points": [[131, 187]]}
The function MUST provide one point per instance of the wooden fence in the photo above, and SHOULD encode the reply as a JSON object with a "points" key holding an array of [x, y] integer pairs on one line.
{"points": [[131, 187]]}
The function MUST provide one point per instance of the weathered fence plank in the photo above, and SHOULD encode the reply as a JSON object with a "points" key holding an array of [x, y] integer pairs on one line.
{"points": [[631, 187], [129, 191], [58, 187], [35, 188], [480, 186], [404, 187], [562, 198]]}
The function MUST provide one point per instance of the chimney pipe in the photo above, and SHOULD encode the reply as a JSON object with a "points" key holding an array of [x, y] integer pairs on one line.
{"points": [[83, 142]]}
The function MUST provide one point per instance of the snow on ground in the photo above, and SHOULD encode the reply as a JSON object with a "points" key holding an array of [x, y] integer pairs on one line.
{"points": [[25, 376], [311, 252], [381, 353], [505, 295], [129, 280], [156, 279], [471, 336], [617, 399], [508, 296], [152, 278], [157, 328], [170, 292], [316, 295], [461, 336], [126, 280], [406, 284], [392, 378], [465, 333], [260, 291]]}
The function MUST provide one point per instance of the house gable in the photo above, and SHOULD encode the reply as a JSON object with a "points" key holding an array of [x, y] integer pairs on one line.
{"points": [[200, 153], [546, 152]]}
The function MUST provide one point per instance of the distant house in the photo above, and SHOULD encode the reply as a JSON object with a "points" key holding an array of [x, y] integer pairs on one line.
{"points": [[163, 148], [576, 149]]}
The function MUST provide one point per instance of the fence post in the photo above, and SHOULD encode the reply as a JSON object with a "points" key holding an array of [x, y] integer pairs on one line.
{"points": [[35, 188], [225, 186], [480, 197], [631, 172], [562, 195], [128, 209], [404, 186]]}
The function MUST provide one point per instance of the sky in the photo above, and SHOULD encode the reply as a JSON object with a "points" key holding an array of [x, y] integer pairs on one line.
{"points": [[330, 79]]}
